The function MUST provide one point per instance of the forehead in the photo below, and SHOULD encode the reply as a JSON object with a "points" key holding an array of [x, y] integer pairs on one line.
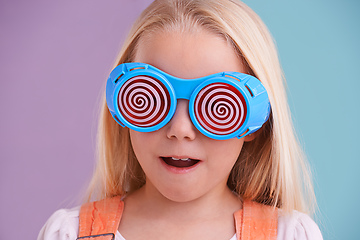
{"points": [[188, 54]]}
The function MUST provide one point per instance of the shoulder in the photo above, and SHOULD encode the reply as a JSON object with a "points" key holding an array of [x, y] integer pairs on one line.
{"points": [[297, 226], [62, 225]]}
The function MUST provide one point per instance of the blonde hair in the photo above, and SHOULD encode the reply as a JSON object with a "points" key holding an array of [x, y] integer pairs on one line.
{"points": [[271, 169]]}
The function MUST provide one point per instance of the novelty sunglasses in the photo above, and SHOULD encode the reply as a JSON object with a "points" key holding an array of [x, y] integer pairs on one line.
{"points": [[221, 106]]}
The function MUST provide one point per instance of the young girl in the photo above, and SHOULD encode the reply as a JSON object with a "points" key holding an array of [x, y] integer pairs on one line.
{"points": [[184, 171]]}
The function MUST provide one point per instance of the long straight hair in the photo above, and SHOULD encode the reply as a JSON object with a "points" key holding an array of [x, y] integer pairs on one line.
{"points": [[272, 168]]}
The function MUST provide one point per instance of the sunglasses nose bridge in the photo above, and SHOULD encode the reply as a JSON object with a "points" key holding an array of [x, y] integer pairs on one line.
{"points": [[183, 88], [181, 124]]}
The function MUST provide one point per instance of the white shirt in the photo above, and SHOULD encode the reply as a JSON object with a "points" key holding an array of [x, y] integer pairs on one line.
{"points": [[64, 224]]}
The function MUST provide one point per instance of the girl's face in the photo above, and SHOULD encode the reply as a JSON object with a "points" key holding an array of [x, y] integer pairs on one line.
{"points": [[180, 163]]}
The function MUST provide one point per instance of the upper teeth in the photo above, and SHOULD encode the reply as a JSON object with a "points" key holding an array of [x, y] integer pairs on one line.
{"points": [[182, 159]]}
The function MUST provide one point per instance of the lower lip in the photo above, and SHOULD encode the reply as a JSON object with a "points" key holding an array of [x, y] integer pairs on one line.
{"points": [[177, 170]]}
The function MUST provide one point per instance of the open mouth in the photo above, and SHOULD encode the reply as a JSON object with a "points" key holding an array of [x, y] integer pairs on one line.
{"points": [[180, 162]]}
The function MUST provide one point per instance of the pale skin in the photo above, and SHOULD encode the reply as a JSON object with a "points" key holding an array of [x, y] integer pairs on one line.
{"points": [[196, 204]]}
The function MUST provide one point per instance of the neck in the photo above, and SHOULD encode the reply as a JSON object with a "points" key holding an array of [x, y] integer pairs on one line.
{"points": [[215, 203]]}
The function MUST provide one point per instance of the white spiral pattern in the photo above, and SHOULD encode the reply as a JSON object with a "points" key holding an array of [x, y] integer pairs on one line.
{"points": [[220, 108], [143, 101]]}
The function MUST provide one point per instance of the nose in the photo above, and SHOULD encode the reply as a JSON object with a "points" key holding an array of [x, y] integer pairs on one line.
{"points": [[180, 126]]}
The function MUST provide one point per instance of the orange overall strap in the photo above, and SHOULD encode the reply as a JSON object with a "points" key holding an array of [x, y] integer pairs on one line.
{"points": [[256, 222], [100, 220]]}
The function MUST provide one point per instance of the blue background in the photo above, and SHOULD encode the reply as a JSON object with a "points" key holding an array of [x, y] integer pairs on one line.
{"points": [[56, 55], [318, 43]]}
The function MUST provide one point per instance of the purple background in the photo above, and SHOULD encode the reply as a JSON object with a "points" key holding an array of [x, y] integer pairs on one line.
{"points": [[55, 57]]}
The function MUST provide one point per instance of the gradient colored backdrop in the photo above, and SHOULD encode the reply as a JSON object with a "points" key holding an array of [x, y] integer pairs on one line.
{"points": [[55, 57]]}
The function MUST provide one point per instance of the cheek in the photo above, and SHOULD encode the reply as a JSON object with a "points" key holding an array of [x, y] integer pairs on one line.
{"points": [[226, 152], [144, 144], [137, 141], [134, 138]]}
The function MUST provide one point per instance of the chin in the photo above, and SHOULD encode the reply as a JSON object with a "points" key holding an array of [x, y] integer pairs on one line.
{"points": [[180, 195]]}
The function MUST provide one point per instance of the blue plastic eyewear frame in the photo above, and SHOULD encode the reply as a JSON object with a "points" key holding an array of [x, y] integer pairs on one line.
{"points": [[250, 95]]}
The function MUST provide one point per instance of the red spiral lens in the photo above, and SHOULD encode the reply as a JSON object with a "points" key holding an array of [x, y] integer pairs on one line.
{"points": [[144, 101], [220, 108]]}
